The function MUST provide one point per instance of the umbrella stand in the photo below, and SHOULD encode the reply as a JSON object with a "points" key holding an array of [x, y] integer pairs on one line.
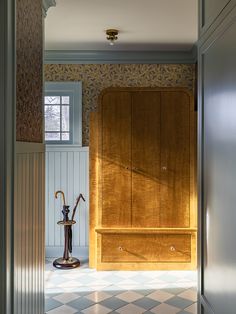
{"points": [[67, 261]]}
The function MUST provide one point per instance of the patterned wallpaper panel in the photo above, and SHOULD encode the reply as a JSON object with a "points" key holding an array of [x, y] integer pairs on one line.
{"points": [[96, 77], [29, 46]]}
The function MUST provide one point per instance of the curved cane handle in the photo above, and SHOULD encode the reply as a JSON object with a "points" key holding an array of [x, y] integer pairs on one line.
{"points": [[76, 204], [81, 196], [63, 196]]}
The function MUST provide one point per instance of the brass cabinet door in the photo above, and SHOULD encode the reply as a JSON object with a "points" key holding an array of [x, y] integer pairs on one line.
{"points": [[146, 127], [175, 159], [145, 164], [116, 159]]}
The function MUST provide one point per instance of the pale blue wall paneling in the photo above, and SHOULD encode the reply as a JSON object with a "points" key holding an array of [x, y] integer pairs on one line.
{"points": [[67, 169]]}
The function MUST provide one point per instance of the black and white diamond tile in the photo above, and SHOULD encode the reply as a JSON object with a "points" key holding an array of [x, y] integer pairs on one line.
{"points": [[86, 291]]}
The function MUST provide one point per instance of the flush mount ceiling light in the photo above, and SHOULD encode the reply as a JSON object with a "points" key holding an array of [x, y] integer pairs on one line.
{"points": [[112, 35]]}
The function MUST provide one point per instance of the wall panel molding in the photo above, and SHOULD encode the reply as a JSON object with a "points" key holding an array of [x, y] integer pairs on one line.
{"points": [[206, 21], [27, 147], [7, 136], [206, 305], [114, 57], [66, 148], [29, 213], [206, 30]]}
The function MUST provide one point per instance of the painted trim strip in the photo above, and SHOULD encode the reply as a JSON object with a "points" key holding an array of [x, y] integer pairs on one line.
{"points": [[206, 305], [28, 147], [66, 148], [119, 57]]}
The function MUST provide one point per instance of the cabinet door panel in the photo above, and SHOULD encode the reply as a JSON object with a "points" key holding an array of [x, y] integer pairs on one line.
{"points": [[175, 159], [146, 159], [116, 159]]}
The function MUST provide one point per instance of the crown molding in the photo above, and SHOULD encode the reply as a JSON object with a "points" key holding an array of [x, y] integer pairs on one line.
{"points": [[121, 57], [47, 4]]}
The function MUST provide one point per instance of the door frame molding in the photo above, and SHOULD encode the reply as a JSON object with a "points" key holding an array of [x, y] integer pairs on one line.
{"points": [[7, 140]]}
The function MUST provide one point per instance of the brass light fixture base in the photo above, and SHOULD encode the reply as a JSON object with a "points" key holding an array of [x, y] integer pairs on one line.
{"points": [[112, 35]]}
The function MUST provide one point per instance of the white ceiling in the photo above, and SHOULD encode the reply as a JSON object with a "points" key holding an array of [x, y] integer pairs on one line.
{"points": [[143, 24]]}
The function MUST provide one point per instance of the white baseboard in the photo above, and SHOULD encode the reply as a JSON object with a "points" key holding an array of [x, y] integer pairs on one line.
{"points": [[57, 251]]}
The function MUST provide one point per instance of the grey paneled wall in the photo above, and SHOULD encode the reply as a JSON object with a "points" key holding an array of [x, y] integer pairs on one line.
{"points": [[29, 213], [67, 169], [217, 171]]}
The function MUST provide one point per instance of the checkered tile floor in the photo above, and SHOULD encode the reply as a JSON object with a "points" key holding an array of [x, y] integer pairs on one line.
{"points": [[87, 291]]}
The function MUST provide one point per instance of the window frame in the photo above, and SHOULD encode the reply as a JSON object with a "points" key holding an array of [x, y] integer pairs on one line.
{"points": [[74, 90]]}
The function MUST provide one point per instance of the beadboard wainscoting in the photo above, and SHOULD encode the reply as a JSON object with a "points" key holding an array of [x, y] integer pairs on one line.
{"points": [[29, 213], [67, 169]]}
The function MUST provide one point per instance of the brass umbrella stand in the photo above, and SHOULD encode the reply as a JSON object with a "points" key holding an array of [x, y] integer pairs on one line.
{"points": [[67, 261]]}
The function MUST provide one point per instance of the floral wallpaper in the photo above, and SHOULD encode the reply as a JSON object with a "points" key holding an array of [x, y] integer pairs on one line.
{"points": [[96, 77], [29, 75]]}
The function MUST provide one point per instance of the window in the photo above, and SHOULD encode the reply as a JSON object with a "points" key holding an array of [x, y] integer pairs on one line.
{"points": [[62, 113], [57, 111]]}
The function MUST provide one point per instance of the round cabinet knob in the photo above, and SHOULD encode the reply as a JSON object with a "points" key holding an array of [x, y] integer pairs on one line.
{"points": [[172, 249], [164, 168], [120, 248]]}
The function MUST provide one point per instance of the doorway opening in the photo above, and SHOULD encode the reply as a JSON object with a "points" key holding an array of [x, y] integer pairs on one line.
{"points": [[153, 288], [92, 288]]}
